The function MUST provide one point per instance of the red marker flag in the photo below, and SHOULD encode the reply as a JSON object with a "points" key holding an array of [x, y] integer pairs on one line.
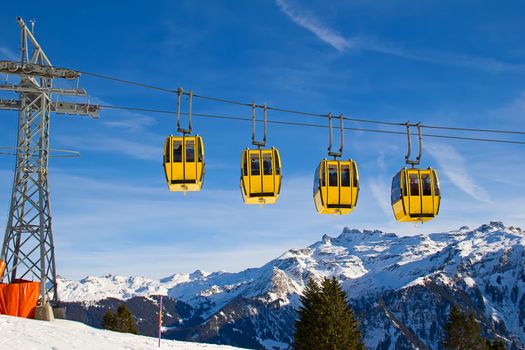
{"points": [[160, 319]]}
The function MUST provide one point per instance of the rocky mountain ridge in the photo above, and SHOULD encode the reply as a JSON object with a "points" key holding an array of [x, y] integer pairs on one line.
{"points": [[401, 287]]}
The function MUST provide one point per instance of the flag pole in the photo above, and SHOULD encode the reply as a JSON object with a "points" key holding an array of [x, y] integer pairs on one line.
{"points": [[160, 319]]}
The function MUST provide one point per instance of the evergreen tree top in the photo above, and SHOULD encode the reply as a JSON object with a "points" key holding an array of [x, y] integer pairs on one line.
{"points": [[325, 319]]}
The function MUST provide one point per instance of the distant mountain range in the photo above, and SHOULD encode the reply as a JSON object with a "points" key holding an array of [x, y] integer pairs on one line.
{"points": [[401, 288]]}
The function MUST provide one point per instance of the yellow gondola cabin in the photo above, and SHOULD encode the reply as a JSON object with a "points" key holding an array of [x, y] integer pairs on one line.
{"points": [[336, 186], [415, 195], [184, 163], [260, 176]]}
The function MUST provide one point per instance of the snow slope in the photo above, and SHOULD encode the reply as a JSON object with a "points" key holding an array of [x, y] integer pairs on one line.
{"points": [[25, 334]]}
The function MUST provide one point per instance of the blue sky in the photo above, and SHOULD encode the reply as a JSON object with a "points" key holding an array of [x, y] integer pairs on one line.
{"points": [[439, 62]]}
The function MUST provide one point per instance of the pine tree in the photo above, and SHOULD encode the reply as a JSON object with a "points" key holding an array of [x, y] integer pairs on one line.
{"points": [[122, 321], [326, 320], [496, 345], [462, 332], [108, 321], [306, 326], [341, 331]]}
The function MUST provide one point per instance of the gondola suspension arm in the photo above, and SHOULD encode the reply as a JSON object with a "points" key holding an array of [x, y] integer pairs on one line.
{"points": [[255, 142], [340, 153], [180, 92], [415, 162]]}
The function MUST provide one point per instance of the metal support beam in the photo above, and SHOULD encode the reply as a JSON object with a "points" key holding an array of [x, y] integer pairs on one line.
{"points": [[9, 105], [34, 69], [37, 90], [28, 249], [82, 109]]}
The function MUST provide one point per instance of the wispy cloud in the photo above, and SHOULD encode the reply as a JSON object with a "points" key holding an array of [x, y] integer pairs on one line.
{"points": [[452, 165], [513, 111], [430, 56], [132, 122], [381, 192], [342, 43], [133, 149], [125, 120], [312, 24], [7, 53]]}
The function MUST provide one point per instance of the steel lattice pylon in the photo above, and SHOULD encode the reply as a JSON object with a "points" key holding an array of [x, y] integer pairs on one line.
{"points": [[28, 248]]}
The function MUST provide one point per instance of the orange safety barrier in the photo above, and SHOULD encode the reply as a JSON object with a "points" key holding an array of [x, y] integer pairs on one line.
{"points": [[2, 268], [19, 298]]}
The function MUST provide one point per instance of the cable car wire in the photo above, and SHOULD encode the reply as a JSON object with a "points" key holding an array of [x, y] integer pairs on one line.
{"points": [[147, 86], [211, 116], [290, 111]]}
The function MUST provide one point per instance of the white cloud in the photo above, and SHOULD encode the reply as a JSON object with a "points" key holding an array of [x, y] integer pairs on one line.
{"points": [[380, 190], [452, 165], [324, 33]]}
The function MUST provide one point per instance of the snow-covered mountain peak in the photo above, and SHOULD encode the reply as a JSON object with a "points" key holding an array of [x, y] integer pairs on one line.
{"points": [[198, 274], [352, 235], [361, 256], [175, 278], [488, 262], [495, 225]]}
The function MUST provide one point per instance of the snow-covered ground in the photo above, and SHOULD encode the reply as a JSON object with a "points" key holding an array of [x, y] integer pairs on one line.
{"points": [[25, 334]]}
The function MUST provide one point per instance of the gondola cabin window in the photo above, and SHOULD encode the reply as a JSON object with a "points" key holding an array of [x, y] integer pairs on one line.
{"points": [[267, 164], [167, 151], [396, 189], [436, 187], [414, 185], [427, 186], [345, 175], [177, 151], [277, 162], [323, 175], [200, 153], [190, 151], [316, 180], [254, 164], [354, 170], [332, 175], [245, 166]]}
